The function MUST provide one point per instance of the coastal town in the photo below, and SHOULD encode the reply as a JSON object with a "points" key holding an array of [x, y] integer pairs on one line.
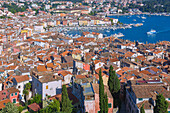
{"points": [[43, 69]]}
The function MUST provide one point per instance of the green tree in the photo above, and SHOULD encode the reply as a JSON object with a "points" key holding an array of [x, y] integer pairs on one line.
{"points": [[26, 93], [37, 99], [9, 108], [101, 92], [66, 103], [114, 86], [142, 109], [20, 109], [105, 103], [28, 86], [113, 82], [54, 106], [161, 104]]}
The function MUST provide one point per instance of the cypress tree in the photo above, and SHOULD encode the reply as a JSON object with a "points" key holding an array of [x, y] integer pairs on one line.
{"points": [[111, 79], [66, 103], [101, 92], [113, 82], [161, 104], [114, 86], [142, 109], [105, 103]]}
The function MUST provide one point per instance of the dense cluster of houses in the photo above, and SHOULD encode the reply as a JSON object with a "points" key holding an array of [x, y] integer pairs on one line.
{"points": [[48, 59]]}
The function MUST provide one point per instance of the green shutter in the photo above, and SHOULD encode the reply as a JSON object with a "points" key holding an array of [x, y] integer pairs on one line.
{"points": [[14, 100], [16, 93], [140, 98], [109, 105], [12, 94]]}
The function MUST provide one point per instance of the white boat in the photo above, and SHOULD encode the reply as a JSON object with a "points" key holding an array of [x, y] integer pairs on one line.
{"points": [[151, 32], [143, 17], [107, 31], [118, 35], [134, 19]]}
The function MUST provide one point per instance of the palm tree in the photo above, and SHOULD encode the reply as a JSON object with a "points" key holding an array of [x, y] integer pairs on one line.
{"points": [[26, 93]]}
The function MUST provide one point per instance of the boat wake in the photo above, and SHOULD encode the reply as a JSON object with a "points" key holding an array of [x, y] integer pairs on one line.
{"points": [[163, 31]]}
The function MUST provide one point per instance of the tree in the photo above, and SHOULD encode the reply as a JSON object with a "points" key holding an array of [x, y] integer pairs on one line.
{"points": [[114, 86], [113, 82], [9, 108], [105, 103], [54, 106], [26, 90], [26, 93], [20, 109], [28, 86], [37, 99], [101, 92], [142, 109], [66, 103], [161, 104]]}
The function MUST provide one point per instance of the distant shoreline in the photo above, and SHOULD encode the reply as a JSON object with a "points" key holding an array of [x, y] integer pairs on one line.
{"points": [[145, 13]]}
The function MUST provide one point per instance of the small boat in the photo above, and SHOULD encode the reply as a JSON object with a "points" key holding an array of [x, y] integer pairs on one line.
{"points": [[143, 17], [134, 19], [107, 31], [151, 32]]}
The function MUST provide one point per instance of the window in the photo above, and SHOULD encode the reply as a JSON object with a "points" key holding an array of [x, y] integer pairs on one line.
{"points": [[140, 99], [46, 86], [109, 105], [18, 86], [37, 84], [16, 93], [14, 100], [4, 93], [12, 94]]}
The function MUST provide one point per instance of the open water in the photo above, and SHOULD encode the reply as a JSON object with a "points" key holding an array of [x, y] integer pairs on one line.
{"points": [[159, 23]]}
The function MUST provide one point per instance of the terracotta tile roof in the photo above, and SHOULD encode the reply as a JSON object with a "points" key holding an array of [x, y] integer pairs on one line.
{"points": [[35, 107], [12, 90], [145, 72], [21, 78], [96, 61], [147, 104], [146, 91], [4, 102], [10, 67], [128, 54], [48, 77], [64, 73], [41, 68], [50, 65]]}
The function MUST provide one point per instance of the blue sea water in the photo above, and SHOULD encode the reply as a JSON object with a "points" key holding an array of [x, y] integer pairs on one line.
{"points": [[159, 23]]}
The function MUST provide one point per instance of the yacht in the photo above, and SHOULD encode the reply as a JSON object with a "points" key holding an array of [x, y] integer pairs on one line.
{"points": [[143, 17], [107, 31], [151, 32]]}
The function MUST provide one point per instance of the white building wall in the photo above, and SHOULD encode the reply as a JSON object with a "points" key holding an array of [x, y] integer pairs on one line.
{"points": [[67, 79], [0, 86], [51, 88], [20, 87]]}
